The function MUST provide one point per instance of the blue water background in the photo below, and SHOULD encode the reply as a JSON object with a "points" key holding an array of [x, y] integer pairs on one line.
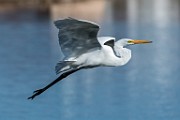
{"points": [[147, 88]]}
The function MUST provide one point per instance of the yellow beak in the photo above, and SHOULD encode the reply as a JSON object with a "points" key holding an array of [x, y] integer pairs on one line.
{"points": [[141, 41]]}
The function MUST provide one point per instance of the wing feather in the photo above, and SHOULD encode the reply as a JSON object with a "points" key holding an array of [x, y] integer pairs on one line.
{"points": [[77, 37]]}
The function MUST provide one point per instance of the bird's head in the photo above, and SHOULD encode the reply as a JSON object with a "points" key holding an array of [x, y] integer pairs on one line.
{"points": [[126, 41]]}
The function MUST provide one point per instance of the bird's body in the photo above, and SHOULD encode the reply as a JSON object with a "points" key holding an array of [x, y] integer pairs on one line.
{"points": [[104, 56], [83, 49]]}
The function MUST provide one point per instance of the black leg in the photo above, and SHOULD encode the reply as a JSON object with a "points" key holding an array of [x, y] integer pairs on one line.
{"points": [[62, 76]]}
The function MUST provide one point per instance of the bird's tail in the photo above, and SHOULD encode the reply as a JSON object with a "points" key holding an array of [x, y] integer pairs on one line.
{"points": [[63, 66]]}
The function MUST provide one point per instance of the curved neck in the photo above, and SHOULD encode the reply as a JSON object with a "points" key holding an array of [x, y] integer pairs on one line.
{"points": [[123, 53]]}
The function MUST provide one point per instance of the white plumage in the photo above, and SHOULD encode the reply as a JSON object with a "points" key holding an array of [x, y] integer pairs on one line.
{"points": [[83, 49]]}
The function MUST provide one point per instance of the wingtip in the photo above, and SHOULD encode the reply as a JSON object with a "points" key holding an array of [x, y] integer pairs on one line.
{"points": [[58, 23]]}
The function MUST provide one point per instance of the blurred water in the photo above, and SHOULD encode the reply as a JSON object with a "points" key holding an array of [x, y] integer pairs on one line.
{"points": [[146, 88]]}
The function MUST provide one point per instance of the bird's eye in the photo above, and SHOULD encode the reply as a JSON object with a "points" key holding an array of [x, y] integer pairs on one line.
{"points": [[129, 41]]}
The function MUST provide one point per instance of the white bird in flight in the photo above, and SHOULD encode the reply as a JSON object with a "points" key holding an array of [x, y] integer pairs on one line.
{"points": [[83, 49]]}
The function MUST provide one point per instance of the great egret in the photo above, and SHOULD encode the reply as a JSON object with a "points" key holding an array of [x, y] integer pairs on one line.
{"points": [[83, 49]]}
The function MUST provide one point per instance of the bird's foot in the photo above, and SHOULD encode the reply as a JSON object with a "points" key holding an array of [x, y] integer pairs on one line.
{"points": [[36, 93]]}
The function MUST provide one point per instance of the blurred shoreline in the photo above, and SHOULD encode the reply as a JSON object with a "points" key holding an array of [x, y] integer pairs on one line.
{"points": [[56, 9], [5, 7], [79, 9], [38, 5]]}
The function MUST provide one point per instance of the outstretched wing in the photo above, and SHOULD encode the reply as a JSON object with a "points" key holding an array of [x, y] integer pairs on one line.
{"points": [[77, 37]]}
